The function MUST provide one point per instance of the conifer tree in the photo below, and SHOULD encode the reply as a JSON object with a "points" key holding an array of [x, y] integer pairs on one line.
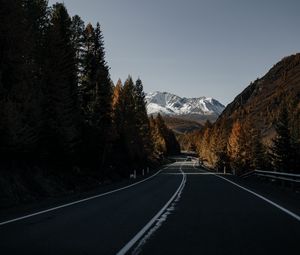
{"points": [[19, 96], [282, 151], [118, 108], [89, 70], [103, 93], [159, 142], [62, 113], [77, 38], [130, 132], [142, 119], [237, 148], [257, 152], [96, 91]]}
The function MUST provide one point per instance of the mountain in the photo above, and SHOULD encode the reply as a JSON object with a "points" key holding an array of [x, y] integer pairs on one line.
{"points": [[258, 107], [259, 104], [197, 109]]}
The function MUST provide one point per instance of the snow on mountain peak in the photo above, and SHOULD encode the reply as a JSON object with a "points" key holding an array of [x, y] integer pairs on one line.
{"points": [[169, 104]]}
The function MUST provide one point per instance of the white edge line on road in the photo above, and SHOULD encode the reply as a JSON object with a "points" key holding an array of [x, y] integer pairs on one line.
{"points": [[80, 201], [132, 242], [297, 217]]}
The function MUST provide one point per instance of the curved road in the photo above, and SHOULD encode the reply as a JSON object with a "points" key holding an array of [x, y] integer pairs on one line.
{"points": [[181, 210]]}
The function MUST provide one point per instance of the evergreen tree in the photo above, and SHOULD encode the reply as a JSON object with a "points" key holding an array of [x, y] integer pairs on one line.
{"points": [[89, 70], [19, 94], [62, 124], [77, 38], [103, 94], [130, 132], [142, 119], [282, 151], [96, 93], [258, 152], [37, 25]]}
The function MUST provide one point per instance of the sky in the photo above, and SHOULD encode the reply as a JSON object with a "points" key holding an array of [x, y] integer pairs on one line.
{"points": [[193, 48]]}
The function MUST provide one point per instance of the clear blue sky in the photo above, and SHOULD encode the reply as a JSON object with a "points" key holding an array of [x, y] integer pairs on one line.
{"points": [[194, 47]]}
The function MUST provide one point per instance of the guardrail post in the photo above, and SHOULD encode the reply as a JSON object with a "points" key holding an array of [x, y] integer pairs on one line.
{"points": [[134, 174]]}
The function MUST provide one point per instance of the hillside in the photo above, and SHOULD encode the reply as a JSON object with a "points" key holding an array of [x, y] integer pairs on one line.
{"points": [[257, 108], [260, 102]]}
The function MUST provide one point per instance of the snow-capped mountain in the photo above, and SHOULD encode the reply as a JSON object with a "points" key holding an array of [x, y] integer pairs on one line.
{"points": [[170, 104]]}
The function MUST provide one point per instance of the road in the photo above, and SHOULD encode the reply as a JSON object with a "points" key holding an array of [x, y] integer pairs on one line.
{"points": [[181, 210]]}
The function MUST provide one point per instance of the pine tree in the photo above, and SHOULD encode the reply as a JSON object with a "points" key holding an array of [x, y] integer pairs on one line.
{"points": [[258, 152], [142, 119], [103, 100], [77, 38], [62, 124], [282, 151], [96, 92], [130, 132], [89, 70], [19, 96]]}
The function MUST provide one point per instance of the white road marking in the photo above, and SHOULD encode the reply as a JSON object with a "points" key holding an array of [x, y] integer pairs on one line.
{"points": [[79, 201], [195, 173], [138, 249], [294, 215], [132, 242]]}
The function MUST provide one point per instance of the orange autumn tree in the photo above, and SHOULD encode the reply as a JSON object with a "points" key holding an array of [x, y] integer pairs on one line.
{"points": [[237, 148]]}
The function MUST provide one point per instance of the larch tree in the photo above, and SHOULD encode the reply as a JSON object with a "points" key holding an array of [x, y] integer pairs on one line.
{"points": [[118, 108], [159, 142], [237, 148]]}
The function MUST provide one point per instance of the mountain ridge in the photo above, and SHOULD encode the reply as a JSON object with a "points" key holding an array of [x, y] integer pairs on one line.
{"points": [[170, 104], [256, 110]]}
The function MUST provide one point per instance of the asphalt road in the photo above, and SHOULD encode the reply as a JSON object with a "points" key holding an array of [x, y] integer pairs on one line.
{"points": [[181, 210]]}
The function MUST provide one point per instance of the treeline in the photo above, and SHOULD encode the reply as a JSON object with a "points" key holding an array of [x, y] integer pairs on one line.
{"points": [[57, 101], [238, 146]]}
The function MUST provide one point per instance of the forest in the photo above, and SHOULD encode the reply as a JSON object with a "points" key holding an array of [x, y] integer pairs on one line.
{"points": [[260, 129], [60, 112]]}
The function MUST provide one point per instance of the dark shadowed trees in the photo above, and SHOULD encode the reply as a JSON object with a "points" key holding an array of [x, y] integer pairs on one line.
{"points": [[282, 151]]}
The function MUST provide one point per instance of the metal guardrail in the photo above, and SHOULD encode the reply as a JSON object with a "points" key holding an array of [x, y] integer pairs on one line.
{"points": [[279, 175], [295, 178]]}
